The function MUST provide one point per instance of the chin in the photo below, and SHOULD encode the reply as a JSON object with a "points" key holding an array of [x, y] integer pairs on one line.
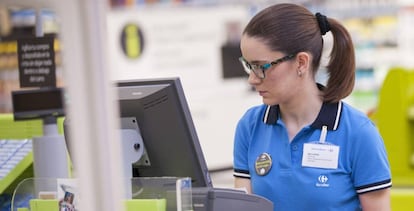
{"points": [[269, 102]]}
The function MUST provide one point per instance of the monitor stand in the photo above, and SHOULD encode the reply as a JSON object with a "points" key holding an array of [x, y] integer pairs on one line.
{"points": [[133, 151]]}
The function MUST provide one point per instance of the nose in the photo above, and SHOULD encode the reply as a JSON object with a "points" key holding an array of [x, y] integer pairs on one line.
{"points": [[253, 79]]}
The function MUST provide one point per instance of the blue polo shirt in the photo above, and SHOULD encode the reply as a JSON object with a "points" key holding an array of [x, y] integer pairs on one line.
{"points": [[362, 160]]}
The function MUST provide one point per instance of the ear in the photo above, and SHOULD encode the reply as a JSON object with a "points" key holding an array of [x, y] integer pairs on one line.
{"points": [[303, 60]]}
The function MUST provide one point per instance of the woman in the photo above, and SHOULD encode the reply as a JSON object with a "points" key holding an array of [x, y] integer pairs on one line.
{"points": [[305, 149]]}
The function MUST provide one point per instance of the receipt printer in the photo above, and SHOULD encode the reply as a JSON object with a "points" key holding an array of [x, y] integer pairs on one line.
{"points": [[219, 199]]}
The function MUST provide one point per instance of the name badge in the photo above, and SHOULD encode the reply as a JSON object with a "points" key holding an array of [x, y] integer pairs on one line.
{"points": [[263, 164], [320, 155]]}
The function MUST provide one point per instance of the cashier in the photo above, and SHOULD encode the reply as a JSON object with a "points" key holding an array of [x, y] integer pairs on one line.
{"points": [[304, 148]]}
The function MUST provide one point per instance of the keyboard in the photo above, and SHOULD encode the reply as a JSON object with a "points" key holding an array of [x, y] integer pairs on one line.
{"points": [[12, 152]]}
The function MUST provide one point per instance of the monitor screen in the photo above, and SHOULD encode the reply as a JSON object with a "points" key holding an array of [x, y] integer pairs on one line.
{"points": [[164, 120]]}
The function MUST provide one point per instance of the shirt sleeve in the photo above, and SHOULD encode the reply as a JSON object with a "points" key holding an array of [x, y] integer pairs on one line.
{"points": [[371, 169], [241, 147]]}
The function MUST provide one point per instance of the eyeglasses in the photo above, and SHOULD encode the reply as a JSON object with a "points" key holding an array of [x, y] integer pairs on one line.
{"points": [[259, 70]]}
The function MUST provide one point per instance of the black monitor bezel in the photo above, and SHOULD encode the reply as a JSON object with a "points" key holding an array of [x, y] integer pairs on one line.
{"points": [[199, 168]]}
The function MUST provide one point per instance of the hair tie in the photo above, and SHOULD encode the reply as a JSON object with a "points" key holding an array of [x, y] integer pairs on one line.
{"points": [[323, 23]]}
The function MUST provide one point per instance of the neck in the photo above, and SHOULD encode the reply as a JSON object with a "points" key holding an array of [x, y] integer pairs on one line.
{"points": [[301, 111]]}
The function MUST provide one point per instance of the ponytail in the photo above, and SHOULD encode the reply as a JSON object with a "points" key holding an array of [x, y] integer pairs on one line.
{"points": [[341, 66]]}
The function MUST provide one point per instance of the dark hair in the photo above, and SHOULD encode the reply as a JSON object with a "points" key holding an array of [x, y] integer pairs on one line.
{"points": [[291, 28]]}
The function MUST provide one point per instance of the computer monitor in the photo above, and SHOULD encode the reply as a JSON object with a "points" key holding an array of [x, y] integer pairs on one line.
{"points": [[171, 143]]}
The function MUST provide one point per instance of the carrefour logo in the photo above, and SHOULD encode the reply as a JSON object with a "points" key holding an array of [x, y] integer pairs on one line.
{"points": [[322, 181], [132, 41]]}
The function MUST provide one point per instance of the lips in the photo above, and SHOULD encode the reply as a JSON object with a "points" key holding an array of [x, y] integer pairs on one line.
{"points": [[261, 93]]}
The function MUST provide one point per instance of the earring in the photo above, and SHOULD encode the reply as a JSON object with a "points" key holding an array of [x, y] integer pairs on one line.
{"points": [[300, 73]]}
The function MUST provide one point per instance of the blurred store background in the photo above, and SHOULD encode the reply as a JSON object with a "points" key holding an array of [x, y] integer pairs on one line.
{"points": [[197, 40]]}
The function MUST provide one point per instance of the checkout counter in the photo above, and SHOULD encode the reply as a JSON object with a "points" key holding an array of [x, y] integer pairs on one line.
{"points": [[149, 194]]}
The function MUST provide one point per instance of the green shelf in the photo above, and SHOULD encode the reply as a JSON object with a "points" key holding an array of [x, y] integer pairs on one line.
{"points": [[133, 204]]}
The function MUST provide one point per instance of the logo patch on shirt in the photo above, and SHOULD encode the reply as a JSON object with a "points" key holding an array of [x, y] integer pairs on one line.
{"points": [[322, 181]]}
